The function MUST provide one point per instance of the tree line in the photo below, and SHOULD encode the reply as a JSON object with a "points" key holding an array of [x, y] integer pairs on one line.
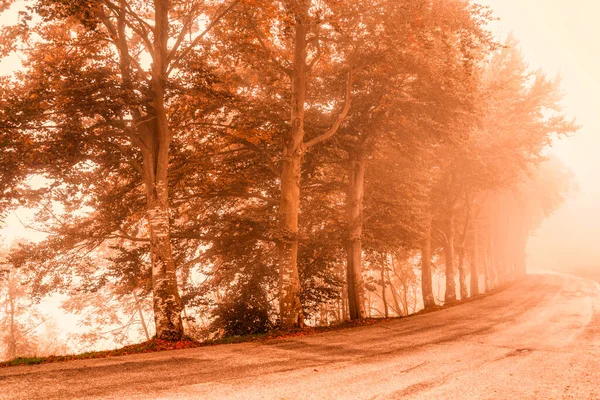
{"points": [[254, 164]]}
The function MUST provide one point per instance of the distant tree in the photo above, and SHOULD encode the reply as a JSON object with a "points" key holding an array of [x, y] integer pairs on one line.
{"points": [[518, 113], [18, 316]]}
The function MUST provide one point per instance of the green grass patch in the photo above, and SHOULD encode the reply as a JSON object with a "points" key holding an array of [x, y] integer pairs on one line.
{"points": [[23, 361]]}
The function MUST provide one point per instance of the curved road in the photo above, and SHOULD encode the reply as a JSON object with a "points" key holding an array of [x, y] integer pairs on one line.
{"points": [[539, 339]]}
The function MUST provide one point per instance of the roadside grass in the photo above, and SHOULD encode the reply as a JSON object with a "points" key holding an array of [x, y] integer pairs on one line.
{"points": [[156, 345]]}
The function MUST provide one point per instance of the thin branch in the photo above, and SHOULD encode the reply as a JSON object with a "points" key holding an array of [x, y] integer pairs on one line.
{"points": [[171, 57], [244, 195], [340, 118], [310, 66], [142, 30], [286, 69], [184, 29]]}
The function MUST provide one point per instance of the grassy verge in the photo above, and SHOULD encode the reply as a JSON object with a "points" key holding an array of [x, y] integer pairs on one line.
{"points": [[155, 345]]}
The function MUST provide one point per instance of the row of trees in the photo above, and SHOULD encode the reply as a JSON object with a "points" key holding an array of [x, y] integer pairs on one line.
{"points": [[256, 160]]}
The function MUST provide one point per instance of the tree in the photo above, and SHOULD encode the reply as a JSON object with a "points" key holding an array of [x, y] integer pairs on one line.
{"points": [[113, 111], [518, 112]]}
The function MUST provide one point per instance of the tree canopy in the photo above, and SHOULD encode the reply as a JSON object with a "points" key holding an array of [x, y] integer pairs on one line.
{"points": [[249, 164]]}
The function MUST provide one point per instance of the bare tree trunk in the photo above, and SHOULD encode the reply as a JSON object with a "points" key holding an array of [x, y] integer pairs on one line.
{"points": [[439, 289], [393, 290], [345, 301], [156, 136], [354, 216], [426, 278], [462, 273], [141, 314], [487, 262], [405, 296], [340, 301], [450, 295], [473, 263], [415, 301], [167, 303], [291, 313], [12, 339], [383, 288]]}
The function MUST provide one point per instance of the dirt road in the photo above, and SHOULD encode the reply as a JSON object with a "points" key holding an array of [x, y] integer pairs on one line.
{"points": [[539, 339]]}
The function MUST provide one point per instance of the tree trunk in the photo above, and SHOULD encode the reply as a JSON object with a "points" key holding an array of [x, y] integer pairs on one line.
{"points": [[405, 296], [291, 314], [462, 274], [487, 263], [289, 279], [415, 301], [167, 303], [462, 271], [393, 291], [141, 314], [354, 216], [426, 278], [156, 136], [12, 339], [344, 298], [383, 288], [473, 263], [450, 295]]}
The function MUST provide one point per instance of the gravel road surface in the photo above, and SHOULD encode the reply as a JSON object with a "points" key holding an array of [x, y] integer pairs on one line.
{"points": [[539, 339]]}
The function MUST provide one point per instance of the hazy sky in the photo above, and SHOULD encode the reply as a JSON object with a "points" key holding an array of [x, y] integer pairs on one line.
{"points": [[558, 36], [561, 36]]}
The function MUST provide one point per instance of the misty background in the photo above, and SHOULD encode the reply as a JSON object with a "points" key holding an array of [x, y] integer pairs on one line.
{"points": [[561, 37], [558, 37]]}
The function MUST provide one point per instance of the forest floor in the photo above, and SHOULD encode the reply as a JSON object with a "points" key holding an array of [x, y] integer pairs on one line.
{"points": [[538, 339], [156, 345]]}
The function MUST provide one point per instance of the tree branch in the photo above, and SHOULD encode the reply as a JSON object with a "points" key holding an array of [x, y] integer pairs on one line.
{"points": [[171, 57], [268, 51], [340, 118], [244, 195]]}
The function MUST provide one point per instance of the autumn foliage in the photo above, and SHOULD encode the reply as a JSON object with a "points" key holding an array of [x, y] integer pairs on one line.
{"points": [[245, 165]]}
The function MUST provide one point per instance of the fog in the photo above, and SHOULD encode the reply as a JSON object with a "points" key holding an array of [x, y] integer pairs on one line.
{"points": [[407, 186], [560, 37]]}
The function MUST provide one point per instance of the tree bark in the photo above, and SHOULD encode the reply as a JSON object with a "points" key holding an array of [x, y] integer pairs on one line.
{"points": [[426, 278], [450, 295], [354, 216], [290, 307], [166, 300]]}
